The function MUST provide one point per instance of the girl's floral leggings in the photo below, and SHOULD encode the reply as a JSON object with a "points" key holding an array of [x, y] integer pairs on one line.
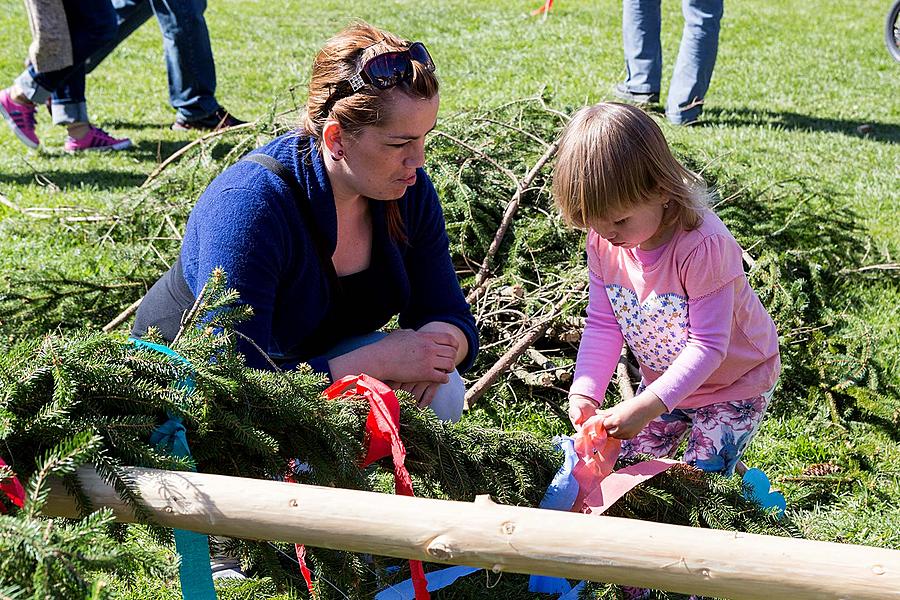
{"points": [[719, 433]]}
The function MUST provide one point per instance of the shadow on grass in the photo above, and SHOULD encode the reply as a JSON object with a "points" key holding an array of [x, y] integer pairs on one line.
{"points": [[862, 128], [64, 172], [117, 124], [155, 151], [75, 178]]}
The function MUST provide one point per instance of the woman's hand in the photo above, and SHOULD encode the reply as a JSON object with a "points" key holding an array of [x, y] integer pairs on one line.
{"points": [[626, 419], [423, 391], [462, 348], [417, 356], [581, 408], [404, 356]]}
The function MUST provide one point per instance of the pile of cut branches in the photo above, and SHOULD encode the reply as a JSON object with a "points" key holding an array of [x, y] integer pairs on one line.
{"points": [[524, 274]]}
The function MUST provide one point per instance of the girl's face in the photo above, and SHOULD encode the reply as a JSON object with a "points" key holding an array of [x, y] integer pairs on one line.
{"points": [[381, 161], [640, 225]]}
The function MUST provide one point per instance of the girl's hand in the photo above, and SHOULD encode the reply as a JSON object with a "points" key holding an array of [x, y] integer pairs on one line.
{"points": [[581, 408], [626, 419]]}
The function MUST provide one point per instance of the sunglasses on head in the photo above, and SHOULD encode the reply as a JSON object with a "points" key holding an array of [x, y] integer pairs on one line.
{"points": [[383, 71]]}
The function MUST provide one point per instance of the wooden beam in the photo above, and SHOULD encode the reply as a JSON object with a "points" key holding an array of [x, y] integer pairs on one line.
{"points": [[506, 538]]}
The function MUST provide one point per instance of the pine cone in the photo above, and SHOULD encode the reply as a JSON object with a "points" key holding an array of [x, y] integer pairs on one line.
{"points": [[821, 470]]}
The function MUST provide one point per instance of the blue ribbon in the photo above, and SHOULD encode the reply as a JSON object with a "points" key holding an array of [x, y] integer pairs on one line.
{"points": [[436, 580], [195, 571], [574, 592], [560, 495], [563, 490]]}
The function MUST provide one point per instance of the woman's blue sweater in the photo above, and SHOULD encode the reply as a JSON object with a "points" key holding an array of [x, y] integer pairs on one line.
{"points": [[247, 222]]}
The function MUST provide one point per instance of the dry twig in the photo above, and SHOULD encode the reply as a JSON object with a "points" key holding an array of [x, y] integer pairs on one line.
{"points": [[506, 221], [123, 316], [509, 358]]}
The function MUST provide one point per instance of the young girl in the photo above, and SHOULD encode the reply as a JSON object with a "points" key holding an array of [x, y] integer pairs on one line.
{"points": [[666, 277]]}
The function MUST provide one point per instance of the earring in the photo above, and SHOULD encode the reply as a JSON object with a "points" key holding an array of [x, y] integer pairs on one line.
{"points": [[665, 206], [337, 156]]}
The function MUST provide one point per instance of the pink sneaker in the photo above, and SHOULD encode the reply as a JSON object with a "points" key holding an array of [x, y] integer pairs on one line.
{"points": [[96, 139], [20, 118]]}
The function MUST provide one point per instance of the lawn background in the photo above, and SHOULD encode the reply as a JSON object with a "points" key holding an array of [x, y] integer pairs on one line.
{"points": [[794, 83]]}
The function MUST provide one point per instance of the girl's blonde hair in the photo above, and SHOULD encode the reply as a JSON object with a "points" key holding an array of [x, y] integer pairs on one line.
{"points": [[613, 157], [341, 58]]}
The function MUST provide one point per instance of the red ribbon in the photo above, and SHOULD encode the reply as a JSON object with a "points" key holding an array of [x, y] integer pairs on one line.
{"points": [[545, 8], [13, 490], [300, 549], [383, 439]]}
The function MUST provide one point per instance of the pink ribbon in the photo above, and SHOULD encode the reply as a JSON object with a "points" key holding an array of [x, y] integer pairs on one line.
{"points": [[599, 487]]}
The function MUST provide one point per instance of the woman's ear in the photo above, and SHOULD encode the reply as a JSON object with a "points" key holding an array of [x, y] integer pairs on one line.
{"points": [[332, 137]]}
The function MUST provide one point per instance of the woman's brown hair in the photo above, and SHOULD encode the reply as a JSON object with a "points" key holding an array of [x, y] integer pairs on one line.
{"points": [[614, 156], [341, 58]]}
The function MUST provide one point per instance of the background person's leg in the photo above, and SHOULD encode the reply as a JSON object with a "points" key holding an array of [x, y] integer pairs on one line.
{"points": [[641, 22], [696, 60], [130, 14], [92, 23], [189, 58]]}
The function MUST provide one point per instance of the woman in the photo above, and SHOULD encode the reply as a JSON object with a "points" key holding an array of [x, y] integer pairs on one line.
{"points": [[360, 239]]}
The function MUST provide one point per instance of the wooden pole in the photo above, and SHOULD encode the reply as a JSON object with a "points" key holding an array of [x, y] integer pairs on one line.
{"points": [[505, 538]]}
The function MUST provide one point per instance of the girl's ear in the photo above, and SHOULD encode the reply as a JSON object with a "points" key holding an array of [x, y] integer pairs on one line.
{"points": [[332, 137], [660, 196]]}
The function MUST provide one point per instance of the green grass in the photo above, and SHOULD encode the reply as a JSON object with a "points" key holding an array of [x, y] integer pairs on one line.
{"points": [[793, 84]]}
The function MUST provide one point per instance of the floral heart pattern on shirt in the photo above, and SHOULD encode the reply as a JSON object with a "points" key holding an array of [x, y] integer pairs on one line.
{"points": [[655, 329]]}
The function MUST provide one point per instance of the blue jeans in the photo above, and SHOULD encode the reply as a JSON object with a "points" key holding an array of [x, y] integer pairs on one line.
{"points": [[189, 58], [641, 22], [449, 399], [92, 23]]}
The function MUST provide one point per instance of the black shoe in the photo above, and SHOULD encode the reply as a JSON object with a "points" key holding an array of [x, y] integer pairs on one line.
{"points": [[641, 99], [221, 119]]}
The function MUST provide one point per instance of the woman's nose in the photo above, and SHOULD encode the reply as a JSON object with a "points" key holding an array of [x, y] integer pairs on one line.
{"points": [[416, 158]]}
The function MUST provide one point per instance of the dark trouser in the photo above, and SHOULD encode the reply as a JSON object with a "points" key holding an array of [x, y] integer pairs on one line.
{"points": [[189, 58], [164, 305], [92, 23]]}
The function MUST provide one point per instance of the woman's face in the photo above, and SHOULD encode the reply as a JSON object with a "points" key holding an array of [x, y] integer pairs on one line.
{"points": [[381, 160]]}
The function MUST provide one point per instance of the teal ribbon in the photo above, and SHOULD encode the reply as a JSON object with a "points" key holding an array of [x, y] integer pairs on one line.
{"points": [[195, 571]]}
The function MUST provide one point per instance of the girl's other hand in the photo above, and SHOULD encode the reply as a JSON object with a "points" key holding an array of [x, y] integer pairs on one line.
{"points": [[626, 419], [581, 408]]}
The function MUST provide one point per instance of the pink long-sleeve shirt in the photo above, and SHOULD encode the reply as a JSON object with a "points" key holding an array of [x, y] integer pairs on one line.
{"points": [[688, 314]]}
